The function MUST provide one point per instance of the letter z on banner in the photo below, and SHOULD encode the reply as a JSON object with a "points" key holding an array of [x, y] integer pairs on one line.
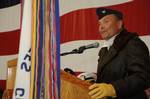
{"points": [[22, 82]]}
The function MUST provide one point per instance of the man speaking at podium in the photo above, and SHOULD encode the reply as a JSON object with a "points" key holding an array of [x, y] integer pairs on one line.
{"points": [[124, 66]]}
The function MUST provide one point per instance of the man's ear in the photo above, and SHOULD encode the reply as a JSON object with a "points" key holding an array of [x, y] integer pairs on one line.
{"points": [[120, 24]]}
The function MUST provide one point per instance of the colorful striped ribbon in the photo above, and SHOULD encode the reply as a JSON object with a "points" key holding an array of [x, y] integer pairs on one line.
{"points": [[45, 69]]}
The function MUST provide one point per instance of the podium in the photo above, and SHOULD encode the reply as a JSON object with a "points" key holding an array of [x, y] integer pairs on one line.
{"points": [[73, 88]]}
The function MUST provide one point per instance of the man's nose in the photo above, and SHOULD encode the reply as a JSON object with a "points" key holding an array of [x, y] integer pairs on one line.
{"points": [[101, 27]]}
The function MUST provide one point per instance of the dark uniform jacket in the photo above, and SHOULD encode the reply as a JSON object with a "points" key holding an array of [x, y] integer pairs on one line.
{"points": [[126, 66]]}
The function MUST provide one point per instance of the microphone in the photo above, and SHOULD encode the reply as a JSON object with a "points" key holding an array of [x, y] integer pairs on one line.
{"points": [[93, 45]]}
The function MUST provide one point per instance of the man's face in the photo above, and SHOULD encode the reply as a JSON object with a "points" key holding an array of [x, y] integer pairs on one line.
{"points": [[109, 26]]}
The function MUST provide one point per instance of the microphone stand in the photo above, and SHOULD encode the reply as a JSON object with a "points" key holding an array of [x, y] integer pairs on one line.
{"points": [[75, 51]]}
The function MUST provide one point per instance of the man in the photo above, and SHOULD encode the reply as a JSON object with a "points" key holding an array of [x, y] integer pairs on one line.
{"points": [[124, 71]]}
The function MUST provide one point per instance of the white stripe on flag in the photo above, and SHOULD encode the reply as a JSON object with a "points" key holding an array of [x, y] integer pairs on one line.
{"points": [[89, 63], [67, 6], [22, 83], [10, 18]]}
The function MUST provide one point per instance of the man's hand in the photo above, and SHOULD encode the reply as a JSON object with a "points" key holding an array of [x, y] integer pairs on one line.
{"points": [[101, 90]]}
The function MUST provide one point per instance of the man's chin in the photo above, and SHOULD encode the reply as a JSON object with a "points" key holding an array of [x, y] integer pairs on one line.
{"points": [[104, 37]]}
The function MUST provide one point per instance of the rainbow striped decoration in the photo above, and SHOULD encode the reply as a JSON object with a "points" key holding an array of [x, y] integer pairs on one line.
{"points": [[44, 51]]}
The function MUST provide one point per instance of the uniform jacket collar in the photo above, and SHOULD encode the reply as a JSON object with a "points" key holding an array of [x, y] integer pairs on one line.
{"points": [[119, 43]]}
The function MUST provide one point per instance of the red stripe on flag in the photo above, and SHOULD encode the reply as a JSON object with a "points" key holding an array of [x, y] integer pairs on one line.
{"points": [[9, 42], [2, 85]]}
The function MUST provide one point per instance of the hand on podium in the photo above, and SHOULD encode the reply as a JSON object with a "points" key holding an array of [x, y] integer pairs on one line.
{"points": [[101, 90]]}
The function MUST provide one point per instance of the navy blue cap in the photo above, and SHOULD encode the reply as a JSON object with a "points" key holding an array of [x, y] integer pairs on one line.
{"points": [[101, 12]]}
